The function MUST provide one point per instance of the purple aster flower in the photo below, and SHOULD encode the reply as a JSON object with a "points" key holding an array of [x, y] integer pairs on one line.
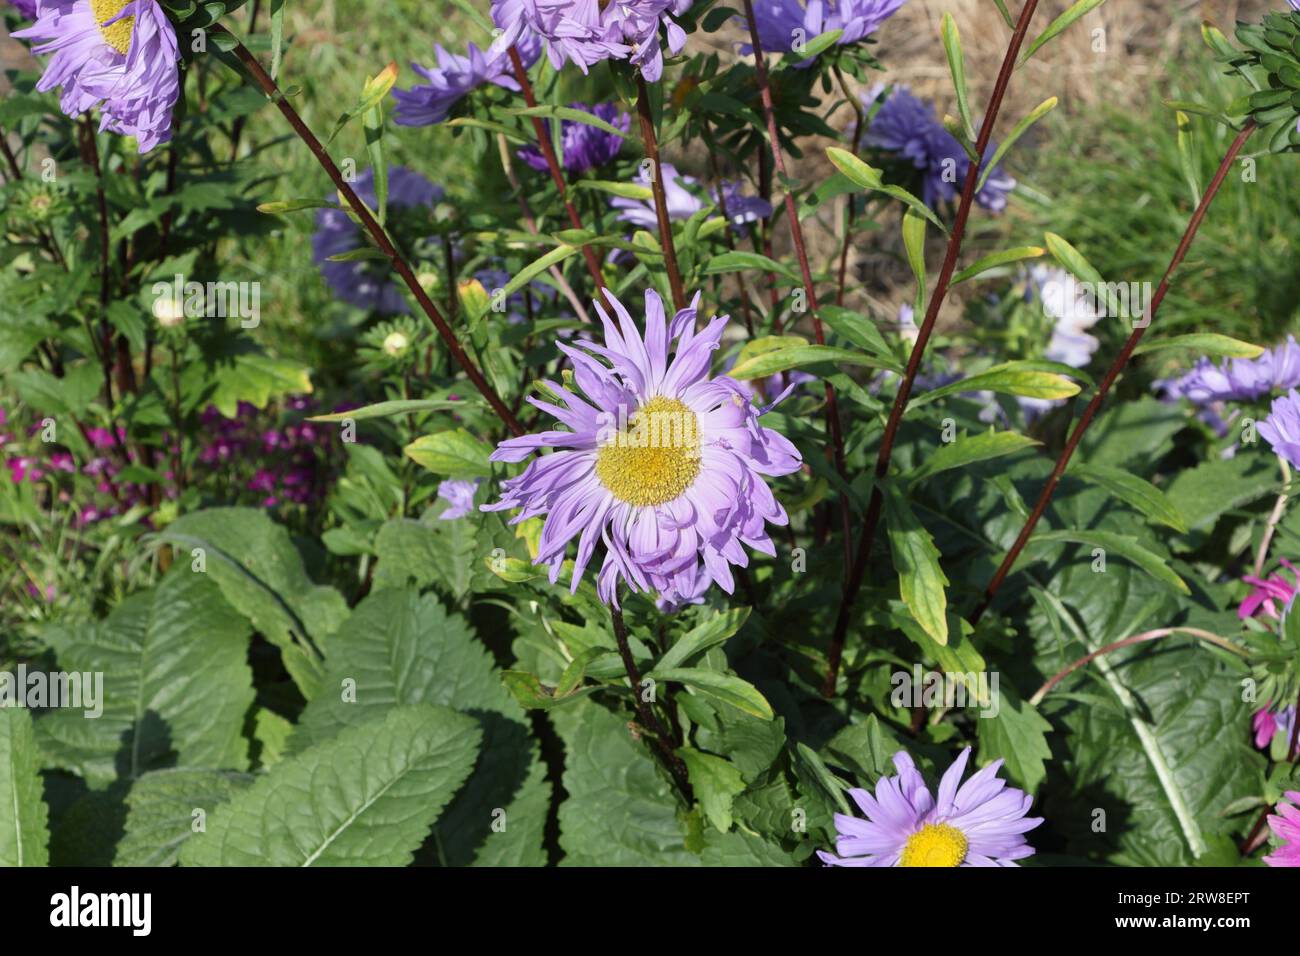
{"points": [[1285, 824], [982, 823], [119, 55], [1282, 427], [585, 32], [26, 7], [787, 25], [459, 496], [455, 76], [367, 283], [682, 203], [582, 145], [1241, 380], [658, 461], [908, 126], [742, 209]]}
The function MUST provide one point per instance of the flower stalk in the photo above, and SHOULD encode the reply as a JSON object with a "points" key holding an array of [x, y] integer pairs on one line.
{"points": [[646, 117]]}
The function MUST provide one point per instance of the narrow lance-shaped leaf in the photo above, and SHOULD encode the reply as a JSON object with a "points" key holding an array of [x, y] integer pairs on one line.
{"points": [[957, 65], [996, 259], [914, 242], [1060, 25], [1133, 490], [921, 581], [1038, 112]]}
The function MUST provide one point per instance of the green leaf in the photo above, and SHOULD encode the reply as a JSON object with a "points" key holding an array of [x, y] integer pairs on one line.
{"points": [[626, 190], [365, 798], [457, 454], [914, 242], [566, 113], [859, 330], [1136, 491], [243, 374], [176, 685], [715, 630], [966, 450], [1187, 158], [816, 46], [255, 563], [996, 259], [1204, 493], [957, 66], [400, 648], [1203, 343], [869, 178], [395, 408], [1026, 378], [740, 261], [724, 687], [1018, 734], [1123, 545], [161, 813], [537, 267], [281, 206], [1019, 130], [24, 835], [1059, 25], [716, 783], [277, 36], [797, 356], [921, 581]]}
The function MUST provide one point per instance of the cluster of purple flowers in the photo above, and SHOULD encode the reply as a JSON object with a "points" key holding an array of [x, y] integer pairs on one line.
{"points": [[367, 283], [456, 76], [295, 463], [117, 55], [583, 146], [787, 25], [907, 126], [585, 32], [683, 203]]}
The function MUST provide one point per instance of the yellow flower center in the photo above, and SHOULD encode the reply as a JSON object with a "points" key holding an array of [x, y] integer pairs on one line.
{"points": [[118, 36], [935, 844], [654, 460]]}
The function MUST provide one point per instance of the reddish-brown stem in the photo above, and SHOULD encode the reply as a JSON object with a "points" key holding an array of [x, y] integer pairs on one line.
{"points": [[659, 735], [643, 112], [553, 164], [872, 521], [801, 252], [377, 233], [1113, 372]]}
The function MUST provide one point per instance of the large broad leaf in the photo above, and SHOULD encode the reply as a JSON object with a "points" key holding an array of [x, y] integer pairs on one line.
{"points": [[1132, 490], [24, 838], [1161, 745], [365, 798], [242, 373], [400, 648], [1018, 734], [176, 685], [441, 553], [166, 807], [1203, 493], [621, 811], [254, 562], [1135, 433]]}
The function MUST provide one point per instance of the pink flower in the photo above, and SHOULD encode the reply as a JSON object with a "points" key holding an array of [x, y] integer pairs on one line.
{"points": [[1286, 825], [1265, 591]]}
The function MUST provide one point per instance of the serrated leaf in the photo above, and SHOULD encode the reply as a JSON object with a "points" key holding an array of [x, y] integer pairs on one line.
{"points": [[1018, 734], [1122, 545], [716, 783], [176, 685], [161, 809], [365, 798], [24, 834]]}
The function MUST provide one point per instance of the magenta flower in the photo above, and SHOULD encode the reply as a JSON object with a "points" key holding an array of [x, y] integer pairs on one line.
{"points": [[1285, 824], [1268, 723], [659, 461], [118, 55], [1282, 427], [1266, 591], [980, 823]]}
